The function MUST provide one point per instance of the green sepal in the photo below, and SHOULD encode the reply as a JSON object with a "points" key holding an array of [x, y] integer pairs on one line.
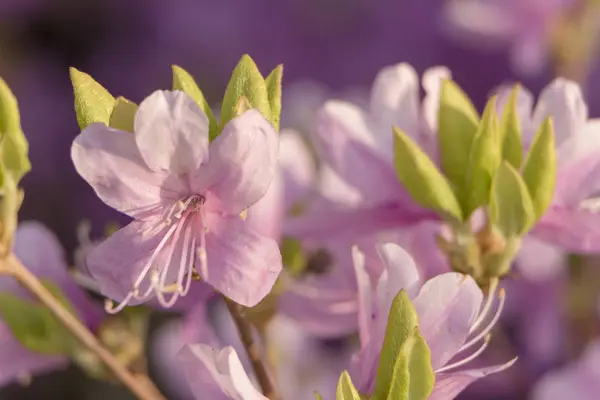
{"points": [[413, 376], [123, 115], [93, 103], [457, 124], [510, 131], [182, 80], [14, 148], [318, 396], [273, 82], [422, 179], [345, 388], [539, 171], [246, 81], [484, 159], [402, 319], [34, 325], [511, 207]]}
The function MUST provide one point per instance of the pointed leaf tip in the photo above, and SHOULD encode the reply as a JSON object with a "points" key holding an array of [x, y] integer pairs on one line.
{"points": [[93, 103], [345, 389], [510, 130]]}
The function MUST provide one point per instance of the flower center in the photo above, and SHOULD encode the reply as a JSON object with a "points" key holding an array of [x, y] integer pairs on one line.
{"points": [[171, 266]]}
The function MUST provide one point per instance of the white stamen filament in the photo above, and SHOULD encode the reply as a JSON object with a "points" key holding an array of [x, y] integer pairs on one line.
{"points": [[181, 213], [201, 251], [467, 359], [490, 325], [486, 307]]}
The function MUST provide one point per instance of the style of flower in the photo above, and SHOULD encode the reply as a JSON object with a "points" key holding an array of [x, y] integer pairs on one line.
{"points": [[39, 250], [453, 317], [186, 197]]}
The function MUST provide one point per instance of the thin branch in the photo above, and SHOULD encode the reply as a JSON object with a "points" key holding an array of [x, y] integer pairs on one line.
{"points": [[245, 331], [143, 389]]}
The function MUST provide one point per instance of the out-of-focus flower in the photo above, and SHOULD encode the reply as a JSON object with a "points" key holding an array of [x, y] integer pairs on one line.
{"points": [[579, 380], [453, 318], [572, 221], [186, 198], [41, 253], [525, 26]]}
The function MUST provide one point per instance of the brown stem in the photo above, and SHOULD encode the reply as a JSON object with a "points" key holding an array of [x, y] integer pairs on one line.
{"points": [[143, 389], [245, 331]]}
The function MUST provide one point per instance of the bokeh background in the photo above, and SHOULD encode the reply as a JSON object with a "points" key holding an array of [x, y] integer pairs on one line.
{"points": [[328, 48]]}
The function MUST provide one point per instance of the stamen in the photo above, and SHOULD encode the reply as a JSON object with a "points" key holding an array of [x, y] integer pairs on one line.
{"points": [[201, 251], [469, 358], [109, 305], [486, 307], [187, 263], [490, 325]]}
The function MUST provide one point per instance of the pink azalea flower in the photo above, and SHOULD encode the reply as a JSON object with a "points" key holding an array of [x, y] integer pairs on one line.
{"points": [[524, 26], [579, 380], [41, 253], [573, 220], [454, 319], [186, 197]]}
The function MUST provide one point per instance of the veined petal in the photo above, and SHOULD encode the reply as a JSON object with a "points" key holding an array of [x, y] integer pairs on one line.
{"points": [[117, 262], [18, 361], [171, 132], [563, 101], [241, 263], [447, 307], [243, 161], [574, 230], [110, 162], [395, 102], [217, 373], [449, 385]]}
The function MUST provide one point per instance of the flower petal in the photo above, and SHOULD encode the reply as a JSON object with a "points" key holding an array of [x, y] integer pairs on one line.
{"points": [[563, 101], [110, 162], [432, 83], [538, 261], [243, 161], [297, 167], [171, 132], [217, 373], [395, 101], [242, 264], [573, 230], [449, 385], [447, 307]]}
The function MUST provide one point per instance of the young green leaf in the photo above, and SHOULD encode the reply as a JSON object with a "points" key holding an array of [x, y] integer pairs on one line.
{"points": [[511, 207], [246, 81], [413, 377], [457, 125], [484, 159], [510, 131], [273, 82], [421, 178], [402, 320], [539, 171], [13, 144], [182, 80], [318, 396], [345, 388], [93, 103], [123, 115]]}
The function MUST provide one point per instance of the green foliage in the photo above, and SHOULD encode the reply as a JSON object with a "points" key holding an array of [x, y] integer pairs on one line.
{"points": [[511, 207], [14, 148], [93, 103], [182, 80], [510, 131], [539, 171], [273, 82], [292, 255], [345, 388], [422, 179]]}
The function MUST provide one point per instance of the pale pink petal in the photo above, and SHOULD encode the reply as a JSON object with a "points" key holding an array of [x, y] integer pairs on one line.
{"points": [[574, 230], [17, 361], [395, 102], [422, 245], [577, 147], [243, 161], [171, 132], [563, 101], [480, 20], [242, 264], [449, 385], [117, 262], [217, 374], [432, 83], [110, 162], [297, 167], [447, 307], [336, 190], [266, 215], [539, 261], [365, 297]]}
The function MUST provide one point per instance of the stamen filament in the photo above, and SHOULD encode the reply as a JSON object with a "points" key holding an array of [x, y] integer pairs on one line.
{"points": [[467, 359], [490, 325], [487, 306]]}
